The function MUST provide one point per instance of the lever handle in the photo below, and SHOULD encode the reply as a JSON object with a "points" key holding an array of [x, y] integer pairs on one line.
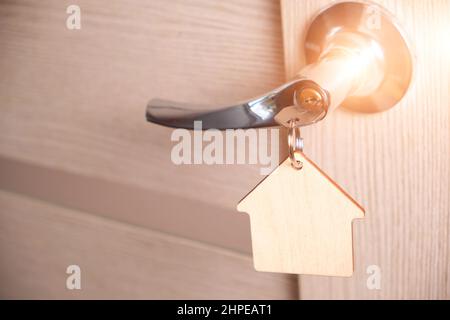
{"points": [[366, 67], [255, 113]]}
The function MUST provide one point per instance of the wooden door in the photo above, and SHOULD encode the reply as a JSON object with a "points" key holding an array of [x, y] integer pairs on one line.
{"points": [[85, 180], [395, 163]]}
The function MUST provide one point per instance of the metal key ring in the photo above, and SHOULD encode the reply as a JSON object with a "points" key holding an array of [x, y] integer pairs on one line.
{"points": [[295, 143]]}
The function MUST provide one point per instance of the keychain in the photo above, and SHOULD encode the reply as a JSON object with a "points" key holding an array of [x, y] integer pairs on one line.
{"points": [[301, 220]]}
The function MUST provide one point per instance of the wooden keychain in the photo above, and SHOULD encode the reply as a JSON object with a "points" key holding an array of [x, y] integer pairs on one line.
{"points": [[301, 220]]}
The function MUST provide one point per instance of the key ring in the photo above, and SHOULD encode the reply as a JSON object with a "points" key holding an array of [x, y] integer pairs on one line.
{"points": [[295, 143]]}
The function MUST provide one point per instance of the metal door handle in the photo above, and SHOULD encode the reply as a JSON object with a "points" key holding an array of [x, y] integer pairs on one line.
{"points": [[364, 67], [256, 113]]}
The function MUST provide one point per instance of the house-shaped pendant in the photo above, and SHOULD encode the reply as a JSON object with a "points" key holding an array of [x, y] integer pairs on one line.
{"points": [[301, 222]]}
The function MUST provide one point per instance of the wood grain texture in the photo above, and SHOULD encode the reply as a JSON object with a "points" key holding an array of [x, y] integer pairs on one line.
{"points": [[75, 100], [179, 216], [118, 261], [301, 222], [396, 163]]}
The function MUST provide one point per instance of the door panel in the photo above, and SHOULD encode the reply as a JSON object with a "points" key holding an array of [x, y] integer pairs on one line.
{"points": [[395, 163], [38, 241], [73, 133]]}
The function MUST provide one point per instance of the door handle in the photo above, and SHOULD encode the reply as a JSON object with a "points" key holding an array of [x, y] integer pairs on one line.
{"points": [[357, 57], [255, 113]]}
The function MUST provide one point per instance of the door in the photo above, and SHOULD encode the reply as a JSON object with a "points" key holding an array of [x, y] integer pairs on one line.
{"points": [[396, 164], [86, 181]]}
